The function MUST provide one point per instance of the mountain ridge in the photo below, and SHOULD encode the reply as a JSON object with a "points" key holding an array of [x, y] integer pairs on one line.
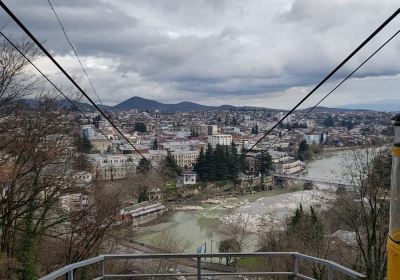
{"points": [[143, 104]]}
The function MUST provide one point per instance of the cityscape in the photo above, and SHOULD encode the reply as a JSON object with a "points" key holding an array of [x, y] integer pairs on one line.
{"points": [[99, 184]]}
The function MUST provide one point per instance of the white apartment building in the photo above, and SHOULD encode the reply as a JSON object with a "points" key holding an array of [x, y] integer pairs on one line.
{"points": [[221, 139], [185, 159], [112, 167], [315, 138]]}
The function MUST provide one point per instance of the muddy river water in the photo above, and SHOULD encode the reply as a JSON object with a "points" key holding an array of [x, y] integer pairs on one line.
{"points": [[203, 223]]}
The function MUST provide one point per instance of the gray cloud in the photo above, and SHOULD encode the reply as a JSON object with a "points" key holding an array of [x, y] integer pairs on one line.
{"points": [[208, 51]]}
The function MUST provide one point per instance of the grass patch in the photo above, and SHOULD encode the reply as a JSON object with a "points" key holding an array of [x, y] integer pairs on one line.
{"points": [[251, 262]]}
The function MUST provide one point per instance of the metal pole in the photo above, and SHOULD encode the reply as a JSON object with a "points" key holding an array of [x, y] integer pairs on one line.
{"points": [[211, 250], [295, 267], [393, 243], [330, 273], [102, 268], [70, 275], [198, 268]]}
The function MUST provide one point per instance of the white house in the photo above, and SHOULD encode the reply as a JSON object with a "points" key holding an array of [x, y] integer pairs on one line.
{"points": [[189, 177]]}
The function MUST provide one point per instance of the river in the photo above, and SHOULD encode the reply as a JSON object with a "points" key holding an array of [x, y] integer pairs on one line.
{"points": [[206, 221]]}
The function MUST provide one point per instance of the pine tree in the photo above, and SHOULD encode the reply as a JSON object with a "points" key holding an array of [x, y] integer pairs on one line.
{"points": [[144, 166], [304, 151], [200, 166], [297, 217], [210, 163], [155, 145], [171, 167], [221, 167], [264, 164], [84, 145], [234, 164]]}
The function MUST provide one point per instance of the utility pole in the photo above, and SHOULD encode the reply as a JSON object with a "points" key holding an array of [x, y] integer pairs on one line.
{"points": [[393, 243]]}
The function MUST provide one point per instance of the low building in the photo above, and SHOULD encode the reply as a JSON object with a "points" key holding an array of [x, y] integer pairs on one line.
{"points": [[189, 177], [142, 213], [287, 165], [74, 202]]}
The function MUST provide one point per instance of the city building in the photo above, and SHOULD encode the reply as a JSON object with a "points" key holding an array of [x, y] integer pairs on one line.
{"points": [[189, 177], [231, 130], [212, 129], [112, 167], [220, 139], [287, 165], [318, 138], [185, 159]]}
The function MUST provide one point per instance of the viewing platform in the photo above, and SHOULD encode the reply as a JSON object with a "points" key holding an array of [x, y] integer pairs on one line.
{"points": [[103, 265]]}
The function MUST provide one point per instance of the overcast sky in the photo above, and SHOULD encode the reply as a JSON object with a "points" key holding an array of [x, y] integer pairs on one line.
{"points": [[240, 52]]}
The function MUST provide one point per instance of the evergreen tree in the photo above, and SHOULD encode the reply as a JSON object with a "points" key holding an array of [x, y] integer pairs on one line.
{"points": [[234, 164], [171, 167], [316, 223], [297, 217], [328, 122], [216, 164], [200, 167], [144, 166], [254, 130], [264, 164], [210, 163], [221, 167], [84, 145], [155, 145], [139, 126], [304, 151]]}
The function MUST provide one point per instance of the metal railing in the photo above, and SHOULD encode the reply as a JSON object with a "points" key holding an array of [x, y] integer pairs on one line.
{"points": [[332, 267]]}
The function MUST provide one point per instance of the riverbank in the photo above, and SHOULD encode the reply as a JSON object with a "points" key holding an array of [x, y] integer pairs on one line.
{"points": [[195, 221]]}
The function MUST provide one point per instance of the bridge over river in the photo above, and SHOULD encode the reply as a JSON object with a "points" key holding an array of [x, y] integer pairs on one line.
{"points": [[305, 179]]}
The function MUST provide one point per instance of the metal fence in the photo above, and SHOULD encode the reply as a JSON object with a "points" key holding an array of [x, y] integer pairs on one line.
{"points": [[295, 274]]}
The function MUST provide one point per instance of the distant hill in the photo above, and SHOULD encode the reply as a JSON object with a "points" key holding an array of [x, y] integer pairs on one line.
{"points": [[143, 104], [336, 110]]}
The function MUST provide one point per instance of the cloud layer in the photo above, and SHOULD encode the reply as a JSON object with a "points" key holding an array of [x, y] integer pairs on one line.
{"points": [[240, 52]]}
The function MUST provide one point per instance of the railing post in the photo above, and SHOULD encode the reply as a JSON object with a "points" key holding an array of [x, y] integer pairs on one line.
{"points": [[295, 266], [330, 273], [198, 268], [70, 275], [102, 268]]}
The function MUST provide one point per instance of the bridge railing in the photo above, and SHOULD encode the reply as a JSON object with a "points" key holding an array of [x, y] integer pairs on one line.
{"points": [[295, 273]]}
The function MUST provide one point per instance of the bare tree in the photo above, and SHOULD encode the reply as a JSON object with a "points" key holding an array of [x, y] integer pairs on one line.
{"points": [[36, 159], [86, 228], [364, 209], [15, 81], [234, 235]]}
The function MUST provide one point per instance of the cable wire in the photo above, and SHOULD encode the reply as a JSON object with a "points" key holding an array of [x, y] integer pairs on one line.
{"points": [[75, 52], [66, 97], [44, 50], [342, 82], [356, 50]]}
